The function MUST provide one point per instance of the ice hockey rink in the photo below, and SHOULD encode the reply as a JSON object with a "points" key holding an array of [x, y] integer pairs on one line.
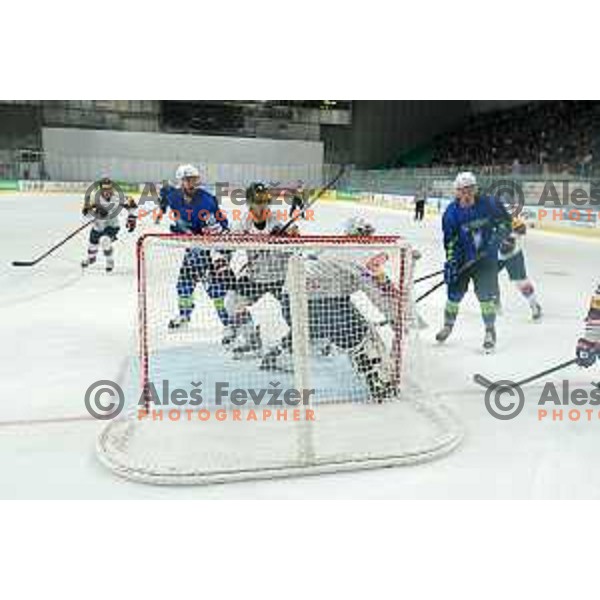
{"points": [[62, 329]]}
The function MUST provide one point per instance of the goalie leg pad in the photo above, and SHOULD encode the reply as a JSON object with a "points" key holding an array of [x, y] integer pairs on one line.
{"points": [[248, 340], [237, 307], [279, 358], [335, 319], [371, 360]]}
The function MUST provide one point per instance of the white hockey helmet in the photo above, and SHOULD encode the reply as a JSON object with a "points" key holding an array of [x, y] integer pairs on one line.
{"points": [[358, 226], [186, 171], [465, 179]]}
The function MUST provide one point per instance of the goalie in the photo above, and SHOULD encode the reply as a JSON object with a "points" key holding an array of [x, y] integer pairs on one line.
{"points": [[335, 314]]}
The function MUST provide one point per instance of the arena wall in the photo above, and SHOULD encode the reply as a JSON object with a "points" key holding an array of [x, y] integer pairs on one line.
{"points": [[80, 155]]}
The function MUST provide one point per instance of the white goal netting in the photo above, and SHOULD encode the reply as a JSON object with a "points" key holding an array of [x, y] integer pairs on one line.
{"points": [[274, 356]]}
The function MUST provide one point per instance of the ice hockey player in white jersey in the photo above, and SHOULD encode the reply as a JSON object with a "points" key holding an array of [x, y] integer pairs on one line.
{"points": [[263, 272], [588, 346], [511, 257], [334, 285], [105, 209]]}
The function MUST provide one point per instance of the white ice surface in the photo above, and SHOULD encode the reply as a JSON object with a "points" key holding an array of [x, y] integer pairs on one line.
{"points": [[60, 330]]}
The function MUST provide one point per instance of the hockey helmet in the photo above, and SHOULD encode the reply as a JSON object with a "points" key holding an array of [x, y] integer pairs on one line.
{"points": [[359, 226], [464, 180], [257, 193]]}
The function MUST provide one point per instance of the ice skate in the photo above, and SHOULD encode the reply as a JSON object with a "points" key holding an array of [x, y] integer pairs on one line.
{"points": [[536, 312], [88, 262], [443, 334], [489, 340], [178, 322]]}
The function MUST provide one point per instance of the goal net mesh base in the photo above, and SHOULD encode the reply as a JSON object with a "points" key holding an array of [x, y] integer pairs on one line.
{"points": [[295, 356]]}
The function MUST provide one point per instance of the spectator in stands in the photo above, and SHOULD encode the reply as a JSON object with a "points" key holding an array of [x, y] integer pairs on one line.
{"points": [[538, 135]]}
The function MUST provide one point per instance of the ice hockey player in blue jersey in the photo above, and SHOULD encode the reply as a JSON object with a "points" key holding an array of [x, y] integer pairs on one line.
{"points": [[474, 225], [196, 212]]}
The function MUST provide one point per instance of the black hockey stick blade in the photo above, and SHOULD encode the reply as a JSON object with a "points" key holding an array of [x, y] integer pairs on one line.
{"points": [[23, 263], [31, 263], [483, 381], [430, 291]]}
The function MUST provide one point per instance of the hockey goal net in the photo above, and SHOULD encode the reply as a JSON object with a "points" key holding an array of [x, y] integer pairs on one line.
{"points": [[273, 356]]}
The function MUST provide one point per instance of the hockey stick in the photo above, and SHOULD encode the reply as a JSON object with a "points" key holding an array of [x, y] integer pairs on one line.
{"points": [[31, 263], [430, 291], [320, 194], [461, 271], [487, 383], [424, 277]]}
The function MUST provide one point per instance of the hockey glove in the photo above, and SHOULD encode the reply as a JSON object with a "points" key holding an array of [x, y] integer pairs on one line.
{"points": [[131, 223], [181, 227], [212, 229], [450, 272], [586, 353], [292, 230], [221, 273], [508, 244]]}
